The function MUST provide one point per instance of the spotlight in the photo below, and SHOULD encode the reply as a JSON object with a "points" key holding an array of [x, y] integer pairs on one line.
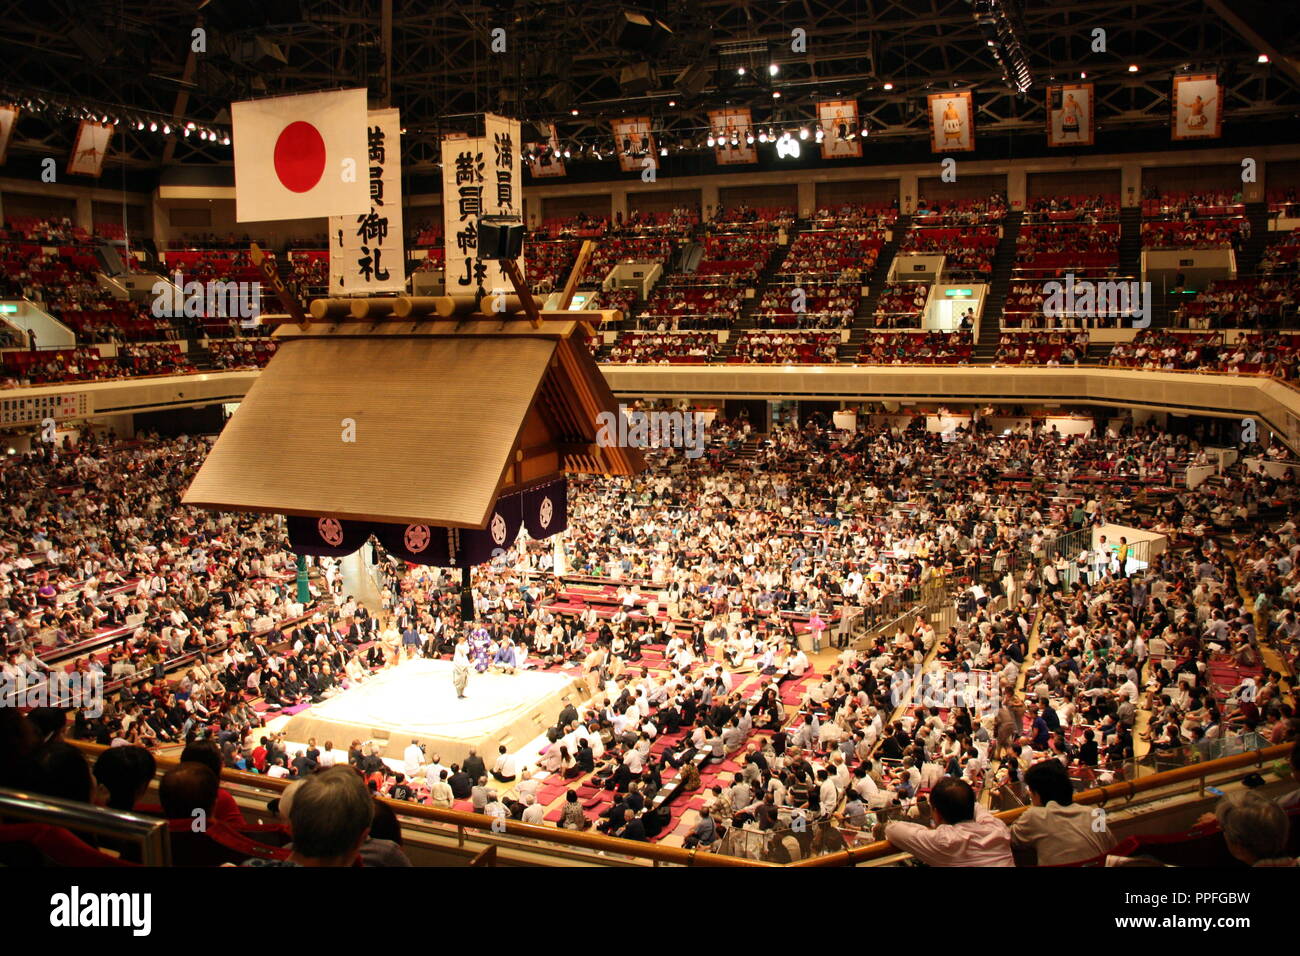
{"points": [[735, 141], [762, 136], [566, 154], [889, 86], [819, 135], [803, 132], [712, 141], [865, 132], [153, 127], [139, 126], [1132, 67], [1263, 58], [749, 139], [573, 112], [776, 94], [774, 69], [663, 150], [672, 102], [1083, 75], [166, 129], [225, 141]]}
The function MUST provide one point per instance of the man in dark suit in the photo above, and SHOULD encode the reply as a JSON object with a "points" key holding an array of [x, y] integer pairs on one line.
{"points": [[1088, 749], [633, 828], [474, 765], [460, 782], [303, 765], [569, 715]]}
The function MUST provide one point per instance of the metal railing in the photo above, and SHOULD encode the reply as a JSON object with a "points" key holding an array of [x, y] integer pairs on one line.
{"points": [[149, 833]]}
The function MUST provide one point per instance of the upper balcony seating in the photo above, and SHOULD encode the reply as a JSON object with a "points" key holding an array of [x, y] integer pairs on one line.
{"points": [[916, 348], [1041, 348], [787, 348]]}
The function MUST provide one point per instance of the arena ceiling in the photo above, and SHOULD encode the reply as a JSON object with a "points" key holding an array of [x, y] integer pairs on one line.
{"points": [[134, 60]]}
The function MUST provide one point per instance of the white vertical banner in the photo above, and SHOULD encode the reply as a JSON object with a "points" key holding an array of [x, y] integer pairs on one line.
{"points": [[463, 179], [504, 192], [367, 251], [480, 176], [8, 119]]}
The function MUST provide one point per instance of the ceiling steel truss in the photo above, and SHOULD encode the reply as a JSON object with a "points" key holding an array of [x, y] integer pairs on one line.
{"points": [[560, 56]]}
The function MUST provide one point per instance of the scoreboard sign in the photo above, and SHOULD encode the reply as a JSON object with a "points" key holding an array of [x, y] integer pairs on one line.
{"points": [[35, 409]]}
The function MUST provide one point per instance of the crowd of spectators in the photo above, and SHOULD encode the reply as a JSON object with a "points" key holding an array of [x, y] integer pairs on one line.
{"points": [[808, 306], [1041, 348], [1253, 302], [1281, 253], [819, 521], [88, 364], [901, 305], [967, 250], [960, 212], [756, 218], [1276, 354], [880, 215], [922, 348], [787, 348], [1191, 205], [1071, 245], [678, 221], [1026, 300], [241, 353], [1196, 234], [665, 348], [547, 263], [1088, 208]]}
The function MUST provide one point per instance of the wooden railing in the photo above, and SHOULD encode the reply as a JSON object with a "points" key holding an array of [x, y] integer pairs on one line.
{"points": [[1101, 795], [463, 820], [676, 856]]}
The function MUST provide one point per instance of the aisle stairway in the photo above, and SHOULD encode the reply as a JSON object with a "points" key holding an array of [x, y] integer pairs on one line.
{"points": [[1130, 241], [200, 356], [1000, 282], [876, 282], [746, 321], [1252, 248]]}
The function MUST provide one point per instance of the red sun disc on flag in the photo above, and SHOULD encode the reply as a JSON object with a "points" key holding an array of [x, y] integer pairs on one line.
{"points": [[300, 156]]}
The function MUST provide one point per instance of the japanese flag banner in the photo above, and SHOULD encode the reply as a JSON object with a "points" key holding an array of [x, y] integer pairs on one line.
{"points": [[301, 157], [367, 254]]}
